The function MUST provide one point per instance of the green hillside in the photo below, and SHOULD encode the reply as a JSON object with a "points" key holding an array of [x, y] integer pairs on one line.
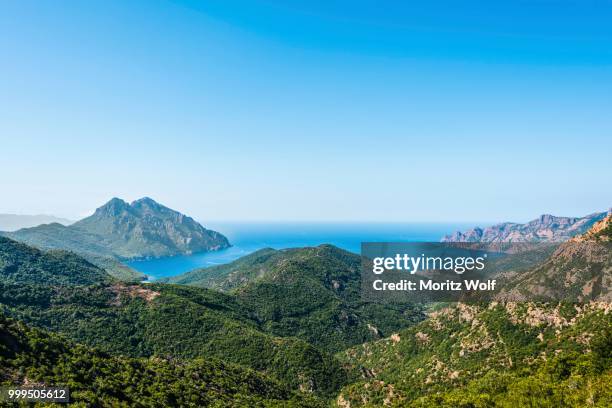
{"points": [[57, 236], [310, 293], [231, 275], [96, 378], [514, 354], [166, 320], [20, 263], [114, 267]]}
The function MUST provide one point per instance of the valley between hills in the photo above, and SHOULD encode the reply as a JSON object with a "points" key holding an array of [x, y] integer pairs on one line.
{"points": [[280, 328]]}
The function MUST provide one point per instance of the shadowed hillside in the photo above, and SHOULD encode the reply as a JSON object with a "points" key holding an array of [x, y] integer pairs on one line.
{"points": [[20, 263]]}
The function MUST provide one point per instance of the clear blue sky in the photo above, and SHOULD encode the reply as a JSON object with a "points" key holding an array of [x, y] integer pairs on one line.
{"points": [[281, 110]]}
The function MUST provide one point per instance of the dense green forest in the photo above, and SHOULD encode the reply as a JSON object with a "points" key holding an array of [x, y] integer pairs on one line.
{"points": [[142, 320], [59, 237], [310, 293], [23, 264], [95, 378], [166, 320]]}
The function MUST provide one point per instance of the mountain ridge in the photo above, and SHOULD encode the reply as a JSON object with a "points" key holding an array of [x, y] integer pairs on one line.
{"points": [[579, 270], [144, 228], [545, 228], [324, 307], [141, 229]]}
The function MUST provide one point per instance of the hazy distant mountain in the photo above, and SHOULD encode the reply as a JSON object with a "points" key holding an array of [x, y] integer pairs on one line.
{"points": [[58, 236], [146, 228], [546, 228], [13, 222], [141, 229], [121, 231]]}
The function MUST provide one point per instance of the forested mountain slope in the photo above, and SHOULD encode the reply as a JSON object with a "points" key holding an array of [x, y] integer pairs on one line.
{"points": [[503, 353], [20, 263], [507, 355], [94, 378], [311, 293], [167, 320]]}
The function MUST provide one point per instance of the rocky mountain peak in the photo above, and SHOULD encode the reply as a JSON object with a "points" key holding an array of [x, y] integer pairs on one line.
{"points": [[547, 218], [146, 228], [113, 207], [145, 202]]}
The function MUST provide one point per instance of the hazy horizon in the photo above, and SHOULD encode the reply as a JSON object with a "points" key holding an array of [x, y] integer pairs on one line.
{"points": [[207, 222], [338, 111]]}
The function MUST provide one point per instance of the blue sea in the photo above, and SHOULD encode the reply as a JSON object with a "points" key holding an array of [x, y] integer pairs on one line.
{"points": [[249, 237]]}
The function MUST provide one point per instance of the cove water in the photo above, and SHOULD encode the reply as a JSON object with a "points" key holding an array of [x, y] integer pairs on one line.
{"points": [[250, 237]]}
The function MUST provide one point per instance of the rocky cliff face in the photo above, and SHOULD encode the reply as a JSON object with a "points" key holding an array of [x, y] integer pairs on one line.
{"points": [[579, 270], [600, 232], [546, 228]]}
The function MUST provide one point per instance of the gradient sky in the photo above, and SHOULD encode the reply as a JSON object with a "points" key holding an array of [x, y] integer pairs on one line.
{"points": [[330, 110]]}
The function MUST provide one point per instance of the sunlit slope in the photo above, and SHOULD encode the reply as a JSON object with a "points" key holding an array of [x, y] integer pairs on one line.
{"points": [[503, 353], [166, 320], [498, 355]]}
